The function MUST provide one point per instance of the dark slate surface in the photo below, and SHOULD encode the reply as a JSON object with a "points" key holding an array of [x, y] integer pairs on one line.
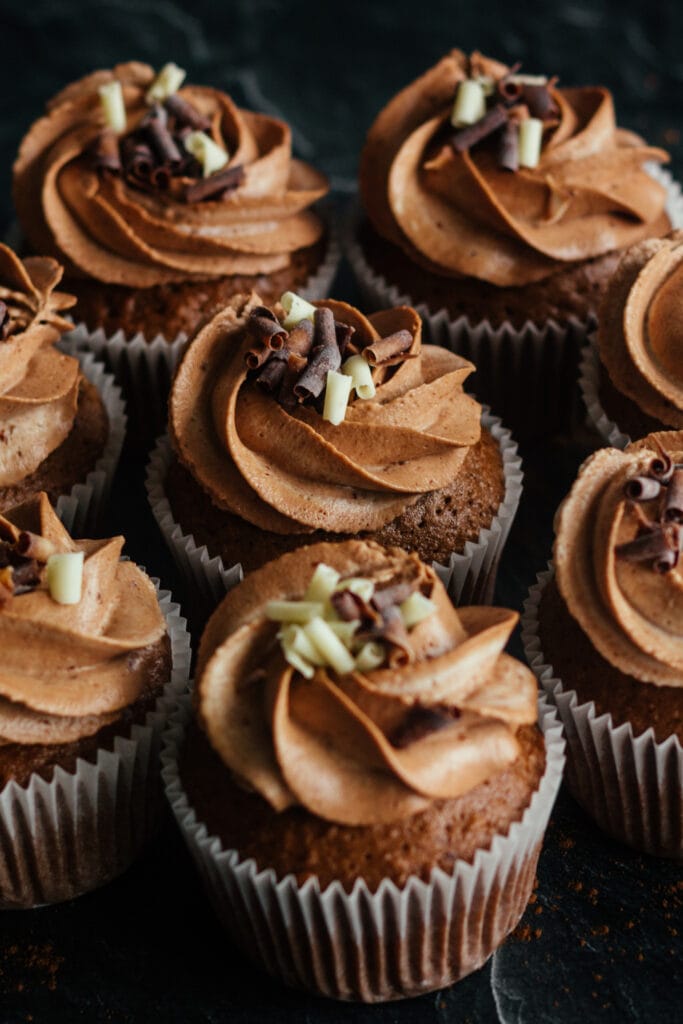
{"points": [[601, 938]]}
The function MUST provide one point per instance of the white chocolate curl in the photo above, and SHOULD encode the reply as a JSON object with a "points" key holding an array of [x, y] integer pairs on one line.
{"points": [[358, 369], [210, 155], [329, 646], [323, 582], [293, 611], [358, 585], [530, 139], [416, 609], [111, 98], [65, 577], [370, 656], [296, 308], [470, 104], [337, 393], [168, 81]]}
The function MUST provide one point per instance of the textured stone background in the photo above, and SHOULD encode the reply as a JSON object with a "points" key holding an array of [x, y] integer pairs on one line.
{"points": [[600, 940]]}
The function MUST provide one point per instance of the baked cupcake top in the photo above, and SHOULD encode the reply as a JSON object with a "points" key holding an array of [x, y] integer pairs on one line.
{"points": [[475, 170], [341, 678], [38, 385], [639, 327], [617, 556], [135, 182], [335, 421], [78, 628]]}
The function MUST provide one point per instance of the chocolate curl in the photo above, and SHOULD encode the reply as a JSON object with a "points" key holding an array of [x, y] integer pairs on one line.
{"points": [[137, 157], [420, 722], [673, 505], [388, 348], [104, 151], [26, 576], [216, 186], [160, 138], [348, 606], [287, 396], [393, 632], [662, 468], [539, 101], [344, 333], [394, 594], [265, 327], [5, 325], [300, 338], [659, 546], [160, 177], [468, 137], [256, 357], [32, 545], [324, 357], [271, 376], [508, 150], [186, 114], [642, 488], [507, 90]]}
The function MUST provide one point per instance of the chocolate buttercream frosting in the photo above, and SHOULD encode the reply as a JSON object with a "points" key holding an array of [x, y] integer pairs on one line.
{"points": [[68, 670], [283, 467], [124, 219], [639, 328], [460, 213], [362, 747], [38, 385], [617, 556]]}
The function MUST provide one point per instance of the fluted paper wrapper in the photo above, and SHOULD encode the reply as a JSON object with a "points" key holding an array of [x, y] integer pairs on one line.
{"points": [[62, 838], [632, 786], [145, 366], [469, 577], [589, 386], [526, 374], [80, 510], [396, 942]]}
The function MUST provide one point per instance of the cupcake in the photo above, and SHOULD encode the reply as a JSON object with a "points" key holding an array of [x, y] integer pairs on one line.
{"points": [[312, 422], [498, 204], [60, 430], [88, 650], [604, 635], [631, 371], [365, 778]]}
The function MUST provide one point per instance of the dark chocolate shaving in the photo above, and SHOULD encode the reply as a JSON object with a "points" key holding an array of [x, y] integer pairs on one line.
{"points": [[286, 395], [266, 329], [348, 606], [382, 351], [344, 333], [216, 185], [186, 114], [160, 177], [156, 129], [26, 576], [300, 338], [661, 467], [324, 357], [5, 323], [272, 374], [673, 503], [394, 594], [137, 158], [642, 488], [508, 149], [507, 90], [420, 722], [655, 545], [466, 138], [393, 631], [539, 100], [104, 151]]}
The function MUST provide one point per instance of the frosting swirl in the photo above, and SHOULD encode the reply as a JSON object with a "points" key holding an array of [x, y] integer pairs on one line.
{"points": [[616, 558], [291, 471], [328, 743], [68, 670], [460, 214], [38, 385], [116, 232], [639, 328]]}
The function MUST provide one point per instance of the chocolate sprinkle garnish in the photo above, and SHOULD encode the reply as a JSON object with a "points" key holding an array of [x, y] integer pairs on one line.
{"points": [[642, 488], [673, 504], [217, 185], [5, 324], [467, 137], [325, 356], [380, 352], [186, 114], [420, 722], [508, 150]]}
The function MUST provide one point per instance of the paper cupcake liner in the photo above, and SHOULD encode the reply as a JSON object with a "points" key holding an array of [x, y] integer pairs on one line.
{"points": [[396, 942], [145, 367], [632, 786], [80, 510], [589, 386], [526, 374], [469, 577], [62, 838]]}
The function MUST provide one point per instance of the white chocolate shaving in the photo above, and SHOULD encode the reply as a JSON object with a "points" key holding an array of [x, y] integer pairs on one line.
{"points": [[211, 156], [111, 98], [370, 656], [337, 393], [293, 611], [470, 104], [530, 139], [358, 585], [329, 646], [415, 609], [65, 577], [296, 308], [167, 81], [323, 582], [360, 372]]}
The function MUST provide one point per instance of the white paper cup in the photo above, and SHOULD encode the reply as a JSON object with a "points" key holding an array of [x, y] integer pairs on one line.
{"points": [[470, 577], [80, 510], [145, 366], [396, 942], [632, 786], [589, 386], [62, 838], [526, 374]]}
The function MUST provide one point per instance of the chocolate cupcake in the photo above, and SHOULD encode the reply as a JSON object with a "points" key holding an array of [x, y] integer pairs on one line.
{"points": [[498, 203], [361, 749], [604, 636], [89, 649], [263, 462], [61, 423], [631, 371], [164, 202]]}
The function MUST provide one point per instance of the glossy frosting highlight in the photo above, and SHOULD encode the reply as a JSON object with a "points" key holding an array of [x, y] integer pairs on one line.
{"points": [[103, 227], [460, 214], [326, 743], [292, 472]]}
